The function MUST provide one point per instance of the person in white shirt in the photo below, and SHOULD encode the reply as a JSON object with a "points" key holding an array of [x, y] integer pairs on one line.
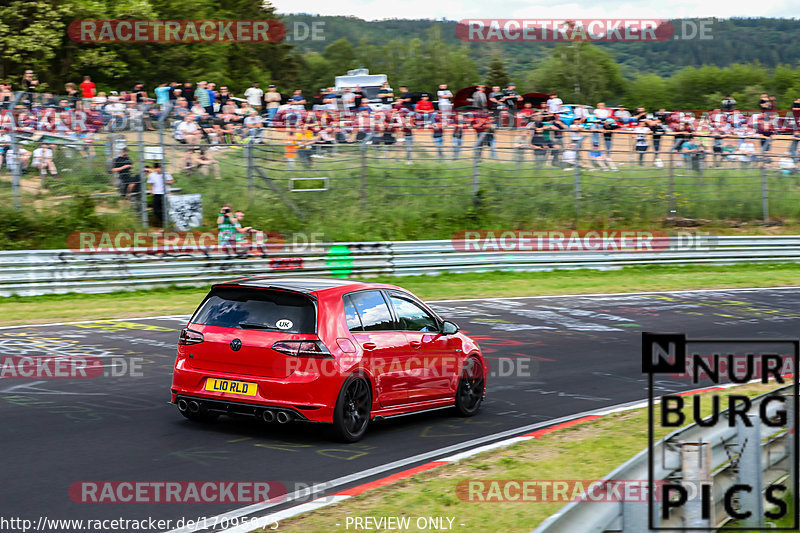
{"points": [[601, 112], [444, 95], [554, 104], [252, 125], [43, 160], [254, 96], [188, 131], [158, 182], [746, 150]]}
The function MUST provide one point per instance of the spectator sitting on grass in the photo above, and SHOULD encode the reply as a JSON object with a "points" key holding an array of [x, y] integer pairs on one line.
{"points": [[787, 164], [252, 126], [199, 159], [43, 160], [597, 157]]}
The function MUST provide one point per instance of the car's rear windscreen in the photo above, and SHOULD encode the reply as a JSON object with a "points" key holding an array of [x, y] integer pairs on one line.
{"points": [[247, 308]]}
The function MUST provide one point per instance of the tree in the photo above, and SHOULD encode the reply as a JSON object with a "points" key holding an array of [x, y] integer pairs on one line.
{"points": [[581, 73], [497, 73]]}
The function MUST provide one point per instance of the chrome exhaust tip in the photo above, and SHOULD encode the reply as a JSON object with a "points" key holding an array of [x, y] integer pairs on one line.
{"points": [[268, 416], [183, 405], [194, 407], [283, 417]]}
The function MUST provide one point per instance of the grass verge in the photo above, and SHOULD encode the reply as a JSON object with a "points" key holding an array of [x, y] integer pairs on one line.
{"points": [[584, 452], [52, 308]]}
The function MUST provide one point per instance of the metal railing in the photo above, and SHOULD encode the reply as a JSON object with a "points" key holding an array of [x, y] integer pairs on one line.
{"points": [[34, 272], [728, 461]]}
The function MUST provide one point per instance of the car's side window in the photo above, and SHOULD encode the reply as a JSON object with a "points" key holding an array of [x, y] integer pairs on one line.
{"points": [[372, 309], [412, 317], [351, 315]]}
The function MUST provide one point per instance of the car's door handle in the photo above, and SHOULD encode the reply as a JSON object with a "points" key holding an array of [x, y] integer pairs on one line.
{"points": [[415, 344], [369, 345]]}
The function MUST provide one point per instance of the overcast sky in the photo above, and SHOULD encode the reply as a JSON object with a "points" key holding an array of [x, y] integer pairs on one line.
{"points": [[556, 9]]}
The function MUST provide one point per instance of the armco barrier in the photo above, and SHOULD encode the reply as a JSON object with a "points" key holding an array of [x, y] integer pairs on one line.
{"points": [[33, 272]]}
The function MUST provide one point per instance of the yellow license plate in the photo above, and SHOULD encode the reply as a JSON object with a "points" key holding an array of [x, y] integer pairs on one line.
{"points": [[232, 387]]}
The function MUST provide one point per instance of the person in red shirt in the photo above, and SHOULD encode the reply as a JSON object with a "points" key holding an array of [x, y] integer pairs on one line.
{"points": [[425, 108], [87, 87]]}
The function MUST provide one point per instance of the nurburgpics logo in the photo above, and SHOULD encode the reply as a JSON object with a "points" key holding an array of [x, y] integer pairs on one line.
{"points": [[736, 466]]}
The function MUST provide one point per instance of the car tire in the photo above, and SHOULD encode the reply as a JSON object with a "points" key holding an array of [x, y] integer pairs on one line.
{"points": [[469, 394], [353, 408]]}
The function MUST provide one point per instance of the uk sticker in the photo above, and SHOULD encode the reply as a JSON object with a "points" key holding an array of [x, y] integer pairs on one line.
{"points": [[726, 458], [284, 323]]}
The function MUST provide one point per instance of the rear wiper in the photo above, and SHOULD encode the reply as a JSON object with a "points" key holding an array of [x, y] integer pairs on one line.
{"points": [[254, 325]]}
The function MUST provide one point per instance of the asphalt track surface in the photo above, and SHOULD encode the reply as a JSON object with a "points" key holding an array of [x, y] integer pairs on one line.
{"points": [[564, 355]]}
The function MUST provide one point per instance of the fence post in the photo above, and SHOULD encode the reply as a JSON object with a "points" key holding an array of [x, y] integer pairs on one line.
{"points": [[696, 470], [364, 176], [672, 210], [476, 178], [750, 473], [250, 181], [142, 176], [764, 192], [577, 192], [15, 169]]}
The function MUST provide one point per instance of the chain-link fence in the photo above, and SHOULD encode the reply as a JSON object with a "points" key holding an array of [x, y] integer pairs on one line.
{"points": [[385, 183]]}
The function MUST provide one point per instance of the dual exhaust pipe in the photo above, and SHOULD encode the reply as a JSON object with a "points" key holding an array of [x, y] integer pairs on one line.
{"points": [[267, 415], [281, 417], [192, 406]]}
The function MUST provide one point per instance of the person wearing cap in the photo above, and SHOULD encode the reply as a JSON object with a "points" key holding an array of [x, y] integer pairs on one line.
{"points": [[273, 100], [511, 98]]}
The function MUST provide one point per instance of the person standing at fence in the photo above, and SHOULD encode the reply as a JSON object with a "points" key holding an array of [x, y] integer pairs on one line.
{"points": [[458, 135], [122, 169], [159, 181], [641, 145], [484, 129], [657, 130]]}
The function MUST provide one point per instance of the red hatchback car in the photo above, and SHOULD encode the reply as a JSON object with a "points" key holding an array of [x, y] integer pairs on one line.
{"points": [[322, 350]]}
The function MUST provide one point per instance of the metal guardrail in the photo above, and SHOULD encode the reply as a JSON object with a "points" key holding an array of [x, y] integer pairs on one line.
{"points": [[34, 272], [726, 467]]}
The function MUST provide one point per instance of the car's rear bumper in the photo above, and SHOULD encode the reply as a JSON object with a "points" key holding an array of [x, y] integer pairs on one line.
{"points": [[310, 397]]}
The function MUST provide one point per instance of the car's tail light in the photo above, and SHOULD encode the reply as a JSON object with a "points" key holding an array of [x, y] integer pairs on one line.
{"points": [[302, 349], [189, 336]]}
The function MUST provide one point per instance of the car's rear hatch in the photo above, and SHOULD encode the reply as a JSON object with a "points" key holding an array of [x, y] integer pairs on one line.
{"points": [[255, 319]]}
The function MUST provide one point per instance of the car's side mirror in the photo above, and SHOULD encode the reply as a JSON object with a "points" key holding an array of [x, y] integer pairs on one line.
{"points": [[449, 328]]}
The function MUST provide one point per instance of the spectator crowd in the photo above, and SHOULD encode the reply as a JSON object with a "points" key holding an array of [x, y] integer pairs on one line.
{"points": [[206, 117]]}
